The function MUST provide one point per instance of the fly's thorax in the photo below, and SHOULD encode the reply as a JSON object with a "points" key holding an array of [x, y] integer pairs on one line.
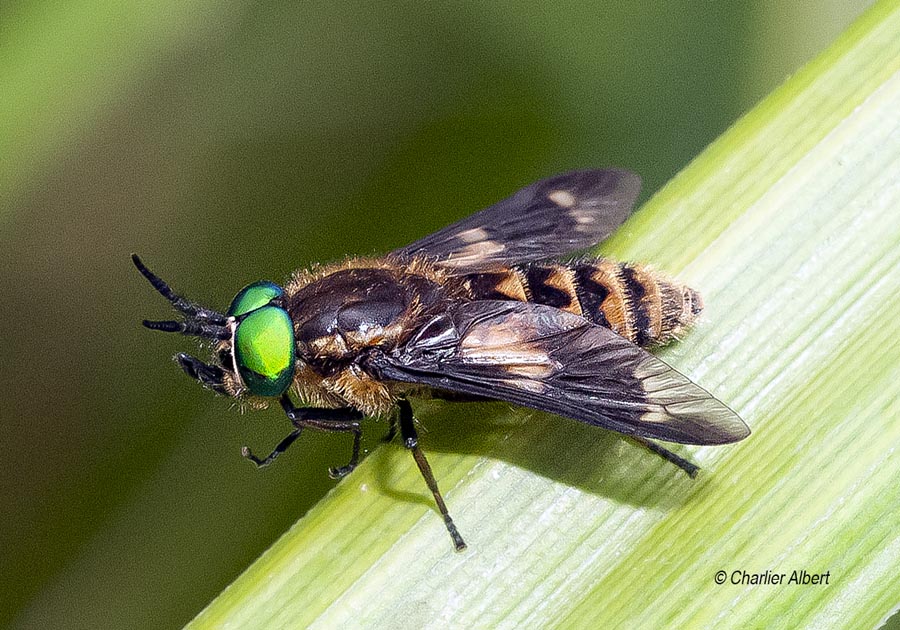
{"points": [[342, 311], [643, 305]]}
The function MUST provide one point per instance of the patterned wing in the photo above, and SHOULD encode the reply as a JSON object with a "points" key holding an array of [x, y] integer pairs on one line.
{"points": [[547, 359], [550, 218]]}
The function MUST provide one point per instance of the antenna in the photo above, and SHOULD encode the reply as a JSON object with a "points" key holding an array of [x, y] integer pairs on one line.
{"points": [[190, 310]]}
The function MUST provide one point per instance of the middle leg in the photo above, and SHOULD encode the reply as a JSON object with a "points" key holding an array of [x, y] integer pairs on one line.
{"points": [[411, 441]]}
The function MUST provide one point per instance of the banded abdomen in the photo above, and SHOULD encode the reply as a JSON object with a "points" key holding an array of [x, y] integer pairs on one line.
{"points": [[638, 303]]}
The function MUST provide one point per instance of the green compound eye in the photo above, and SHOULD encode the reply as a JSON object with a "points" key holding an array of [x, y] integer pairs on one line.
{"points": [[253, 296], [264, 350]]}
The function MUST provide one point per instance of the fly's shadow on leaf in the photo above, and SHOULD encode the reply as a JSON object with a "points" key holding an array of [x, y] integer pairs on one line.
{"points": [[592, 459]]}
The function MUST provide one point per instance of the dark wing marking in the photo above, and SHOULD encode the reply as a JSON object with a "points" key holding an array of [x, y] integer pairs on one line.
{"points": [[554, 361], [550, 218]]}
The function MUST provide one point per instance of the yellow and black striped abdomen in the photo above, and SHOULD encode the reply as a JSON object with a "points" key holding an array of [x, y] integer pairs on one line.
{"points": [[644, 306]]}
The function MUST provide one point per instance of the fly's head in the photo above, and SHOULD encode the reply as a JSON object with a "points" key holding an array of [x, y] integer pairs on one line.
{"points": [[254, 351]]}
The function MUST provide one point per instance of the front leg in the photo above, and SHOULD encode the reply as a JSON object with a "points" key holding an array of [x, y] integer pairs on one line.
{"points": [[278, 450], [342, 420]]}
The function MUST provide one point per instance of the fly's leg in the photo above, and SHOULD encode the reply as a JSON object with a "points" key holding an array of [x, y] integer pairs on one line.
{"points": [[342, 471], [278, 450], [689, 467], [342, 420], [208, 375], [411, 441], [437, 394]]}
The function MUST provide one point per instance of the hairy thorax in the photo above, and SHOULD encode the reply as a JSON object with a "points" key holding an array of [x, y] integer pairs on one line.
{"points": [[344, 311]]}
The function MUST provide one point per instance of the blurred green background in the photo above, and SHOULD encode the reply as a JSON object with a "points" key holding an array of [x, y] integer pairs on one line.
{"points": [[228, 141]]}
